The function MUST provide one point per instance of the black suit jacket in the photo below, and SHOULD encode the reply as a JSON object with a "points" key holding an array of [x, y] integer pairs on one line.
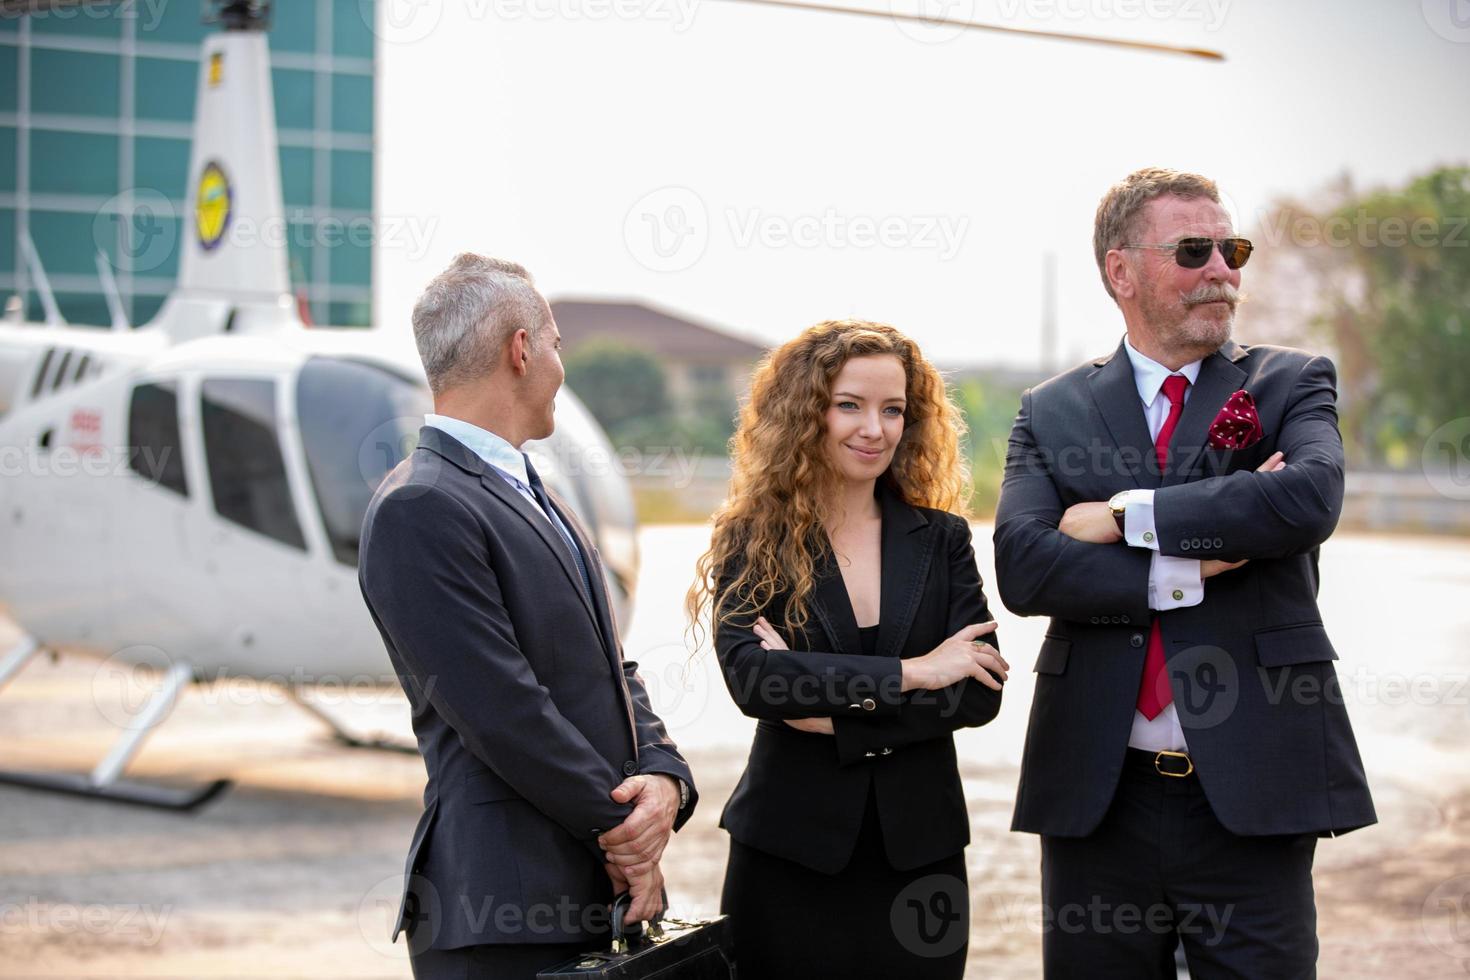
{"points": [[1250, 667], [802, 795], [525, 711]]}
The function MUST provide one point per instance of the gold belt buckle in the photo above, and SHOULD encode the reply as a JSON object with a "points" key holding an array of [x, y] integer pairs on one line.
{"points": [[1177, 755]]}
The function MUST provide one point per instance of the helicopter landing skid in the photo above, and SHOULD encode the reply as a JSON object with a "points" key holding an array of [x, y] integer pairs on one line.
{"points": [[342, 736], [103, 782]]}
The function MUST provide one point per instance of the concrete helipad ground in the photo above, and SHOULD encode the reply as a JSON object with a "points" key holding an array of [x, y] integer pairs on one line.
{"points": [[295, 871]]}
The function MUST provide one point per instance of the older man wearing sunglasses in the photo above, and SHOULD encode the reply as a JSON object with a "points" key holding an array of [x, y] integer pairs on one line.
{"points": [[1164, 506]]}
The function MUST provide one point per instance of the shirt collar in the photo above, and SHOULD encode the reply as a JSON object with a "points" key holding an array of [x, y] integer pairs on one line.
{"points": [[485, 444], [1149, 374]]}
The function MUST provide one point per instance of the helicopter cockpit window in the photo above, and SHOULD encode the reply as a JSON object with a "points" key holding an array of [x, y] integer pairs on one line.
{"points": [[155, 451], [247, 474], [358, 421]]}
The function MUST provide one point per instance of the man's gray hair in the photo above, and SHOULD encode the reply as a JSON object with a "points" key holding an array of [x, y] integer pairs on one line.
{"points": [[1121, 207], [466, 315]]}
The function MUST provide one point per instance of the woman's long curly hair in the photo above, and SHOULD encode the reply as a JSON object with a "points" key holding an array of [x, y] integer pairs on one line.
{"points": [[784, 486]]}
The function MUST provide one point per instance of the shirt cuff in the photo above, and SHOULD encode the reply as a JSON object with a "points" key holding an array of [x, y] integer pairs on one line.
{"points": [[1138, 520], [1174, 583]]}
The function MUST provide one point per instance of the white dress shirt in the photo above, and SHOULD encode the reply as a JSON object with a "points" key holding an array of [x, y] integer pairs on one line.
{"points": [[1172, 582]]}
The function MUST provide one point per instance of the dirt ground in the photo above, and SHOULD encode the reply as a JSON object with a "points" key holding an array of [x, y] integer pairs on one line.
{"points": [[295, 871]]}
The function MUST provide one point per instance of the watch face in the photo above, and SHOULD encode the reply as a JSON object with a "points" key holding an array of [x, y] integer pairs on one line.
{"points": [[1116, 502]]}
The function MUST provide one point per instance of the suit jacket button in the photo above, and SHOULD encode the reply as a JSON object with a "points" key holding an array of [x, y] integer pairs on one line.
{"points": [[630, 768], [887, 752], [869, 704], [1095, 620], [1136, 640], [869, 755], [1219, 542], [1184, 545], [1196, 543], [1127, 620]]}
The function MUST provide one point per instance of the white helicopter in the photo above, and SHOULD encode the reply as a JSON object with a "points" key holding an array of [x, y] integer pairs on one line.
{"points": [[188, 495]]}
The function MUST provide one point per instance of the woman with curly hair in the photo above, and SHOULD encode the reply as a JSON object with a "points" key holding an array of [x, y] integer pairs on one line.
{"points": [[846, 608]]}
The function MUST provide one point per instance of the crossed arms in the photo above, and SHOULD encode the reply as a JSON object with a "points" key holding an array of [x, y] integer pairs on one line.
{"points": [[1046, 564]]}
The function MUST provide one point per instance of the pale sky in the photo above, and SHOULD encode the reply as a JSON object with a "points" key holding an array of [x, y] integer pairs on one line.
{"points": [[762, 169]]}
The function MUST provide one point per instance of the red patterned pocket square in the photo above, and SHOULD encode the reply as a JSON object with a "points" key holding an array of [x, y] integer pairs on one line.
{"points": [[1237, 426]]}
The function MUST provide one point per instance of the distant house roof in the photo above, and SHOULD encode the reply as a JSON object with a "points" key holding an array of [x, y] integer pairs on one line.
{"points": [[643, 326]]}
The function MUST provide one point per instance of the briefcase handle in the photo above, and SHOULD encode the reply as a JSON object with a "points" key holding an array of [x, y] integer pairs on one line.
{"points": [[624, 934]]}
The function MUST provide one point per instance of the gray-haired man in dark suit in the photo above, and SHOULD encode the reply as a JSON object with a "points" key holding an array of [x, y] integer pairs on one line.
{"points": [[552, 783]]}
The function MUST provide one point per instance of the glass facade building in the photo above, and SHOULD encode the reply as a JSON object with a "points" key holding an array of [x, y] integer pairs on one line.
{"points": [[97, 106]]}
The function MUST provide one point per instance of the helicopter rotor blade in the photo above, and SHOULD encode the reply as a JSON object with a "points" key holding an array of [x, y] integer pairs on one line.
{"points": [[968, 25]]}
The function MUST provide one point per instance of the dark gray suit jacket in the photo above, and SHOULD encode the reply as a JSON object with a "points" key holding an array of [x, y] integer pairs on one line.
{"points": [[525, 711], [1250, 666]]}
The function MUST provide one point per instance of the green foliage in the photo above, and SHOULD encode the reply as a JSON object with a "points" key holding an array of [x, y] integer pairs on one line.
{"points": [[1383, 279], [989, 412], [621, 385]]}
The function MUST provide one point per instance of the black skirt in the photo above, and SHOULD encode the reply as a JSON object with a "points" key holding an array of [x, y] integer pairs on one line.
{"points": [[868, 920]]}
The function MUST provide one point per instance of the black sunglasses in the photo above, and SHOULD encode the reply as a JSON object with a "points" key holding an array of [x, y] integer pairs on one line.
{"points": [[1193, 253]]}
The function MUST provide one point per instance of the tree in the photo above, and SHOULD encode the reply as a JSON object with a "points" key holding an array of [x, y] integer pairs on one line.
{"points": [[622, 386], [1383, 279]]}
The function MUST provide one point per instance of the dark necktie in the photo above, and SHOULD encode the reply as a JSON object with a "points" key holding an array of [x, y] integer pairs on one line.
{"points": [[539, 490], [1154, 693]]}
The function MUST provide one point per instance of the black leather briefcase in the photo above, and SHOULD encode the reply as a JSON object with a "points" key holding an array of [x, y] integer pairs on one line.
{"points": [[669, 949]]}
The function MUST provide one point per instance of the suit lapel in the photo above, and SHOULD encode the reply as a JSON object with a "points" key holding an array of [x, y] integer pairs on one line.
{"points": [[1219, 377], [611, 643], [832, 607], [600, 599], [532, 515], [1116, 395], [441, 443], [908, 547]]}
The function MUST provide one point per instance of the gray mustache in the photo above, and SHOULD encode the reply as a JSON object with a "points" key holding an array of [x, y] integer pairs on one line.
{"points": [[1212, 293]]}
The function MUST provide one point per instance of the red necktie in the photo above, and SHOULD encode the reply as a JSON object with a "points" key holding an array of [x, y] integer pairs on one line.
{"points": [[1153, 692]]}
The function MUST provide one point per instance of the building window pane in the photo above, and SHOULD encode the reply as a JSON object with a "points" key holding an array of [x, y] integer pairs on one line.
{"points": [[162, 165], [145, 308], [359, 314], [155, 449], [181, 23], [74, 82], [295, 93], [247, 474], [352, 180], [352, 255], [293, 26], [7, 158], [66, 242], [352, 30], [352, 103], [84, 310], [86, 20], [7, 248], [166, 89], [73, 163], [9, 79], [296, 171]]}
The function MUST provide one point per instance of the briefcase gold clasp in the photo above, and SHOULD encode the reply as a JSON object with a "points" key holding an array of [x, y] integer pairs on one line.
{"points": [[1188, 762]]}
